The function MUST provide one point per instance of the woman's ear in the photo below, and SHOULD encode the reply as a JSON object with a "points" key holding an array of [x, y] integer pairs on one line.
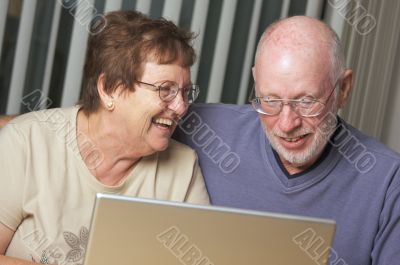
{"points": [[106, 99], [345, 88]]}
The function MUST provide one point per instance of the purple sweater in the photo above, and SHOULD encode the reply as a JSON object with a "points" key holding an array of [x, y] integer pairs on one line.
{"points": [[356, 183]]}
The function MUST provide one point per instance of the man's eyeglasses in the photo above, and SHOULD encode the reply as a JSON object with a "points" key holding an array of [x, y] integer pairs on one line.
{"points": [[169, 89], [305, 107]]}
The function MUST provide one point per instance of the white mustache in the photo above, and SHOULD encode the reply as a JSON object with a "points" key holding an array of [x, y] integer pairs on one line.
{"points": [[295, 134]]}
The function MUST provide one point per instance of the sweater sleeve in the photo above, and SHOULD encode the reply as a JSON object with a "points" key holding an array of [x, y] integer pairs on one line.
{"points": [[386, 248]]}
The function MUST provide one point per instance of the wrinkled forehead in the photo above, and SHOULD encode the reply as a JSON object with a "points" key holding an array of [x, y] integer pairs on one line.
{"points": [[154, 72], [160, 63], [289, 72]]}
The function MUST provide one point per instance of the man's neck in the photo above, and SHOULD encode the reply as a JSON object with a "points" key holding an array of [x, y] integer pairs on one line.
{"points": [[293, 169]]}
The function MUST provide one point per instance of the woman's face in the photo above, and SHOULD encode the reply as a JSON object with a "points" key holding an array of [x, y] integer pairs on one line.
{"points": [[147, 121]]}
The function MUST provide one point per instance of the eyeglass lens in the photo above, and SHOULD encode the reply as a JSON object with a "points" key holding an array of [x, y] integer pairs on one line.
{"points": [[169, 90]]}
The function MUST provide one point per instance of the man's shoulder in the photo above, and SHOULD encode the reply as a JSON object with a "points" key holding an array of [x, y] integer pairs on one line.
{"points": [[218, 114], [368, 144], [221, 108], [217, 119]]}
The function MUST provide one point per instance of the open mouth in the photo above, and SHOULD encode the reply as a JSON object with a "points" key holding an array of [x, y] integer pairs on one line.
{"points": [[163, 122], [295, 139]]}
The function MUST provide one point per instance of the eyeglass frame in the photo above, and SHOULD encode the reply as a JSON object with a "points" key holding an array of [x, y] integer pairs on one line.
{"points": [[158, 88], [291, 102]]}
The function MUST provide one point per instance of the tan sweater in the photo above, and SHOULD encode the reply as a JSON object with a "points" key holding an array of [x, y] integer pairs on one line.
{"points": [[47, 192]]}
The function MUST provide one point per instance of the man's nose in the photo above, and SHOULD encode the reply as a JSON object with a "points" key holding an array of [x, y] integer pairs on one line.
{"points": [[288, 119]]}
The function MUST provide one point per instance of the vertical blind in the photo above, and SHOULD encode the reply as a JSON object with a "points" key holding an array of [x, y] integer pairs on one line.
{"points": [[43, 44]]}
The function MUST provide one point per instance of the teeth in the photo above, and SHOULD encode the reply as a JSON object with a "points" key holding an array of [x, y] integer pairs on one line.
{"points": [[293, 139], [163, 121]]}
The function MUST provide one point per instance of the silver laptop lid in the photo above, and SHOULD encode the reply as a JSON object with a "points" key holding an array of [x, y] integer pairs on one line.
{"points": [[126, 230]]}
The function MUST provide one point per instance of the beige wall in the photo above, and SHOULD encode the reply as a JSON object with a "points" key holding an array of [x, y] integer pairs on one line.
{"points": [[374, 56], [391, 128]]}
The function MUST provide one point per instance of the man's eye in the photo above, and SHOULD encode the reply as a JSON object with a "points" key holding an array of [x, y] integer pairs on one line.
{"points": [[272, 103], [306, 102]]}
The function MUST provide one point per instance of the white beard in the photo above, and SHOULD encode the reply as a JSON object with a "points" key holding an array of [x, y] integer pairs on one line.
{"points": [[301, 157], [319, 141]]}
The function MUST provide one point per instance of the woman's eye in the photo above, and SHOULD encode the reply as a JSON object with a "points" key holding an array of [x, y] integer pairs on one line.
{"points": [[165, 88]]}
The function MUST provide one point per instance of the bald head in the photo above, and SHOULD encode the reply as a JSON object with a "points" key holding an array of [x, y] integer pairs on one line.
{"points": [[303, 37], [299, 67]]}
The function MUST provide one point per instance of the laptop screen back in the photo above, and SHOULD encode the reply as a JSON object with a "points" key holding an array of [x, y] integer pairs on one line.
{"points": [[127, 230]]}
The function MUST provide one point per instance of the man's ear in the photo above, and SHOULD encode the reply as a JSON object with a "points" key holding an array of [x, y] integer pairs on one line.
{"points": [[345, 88]]}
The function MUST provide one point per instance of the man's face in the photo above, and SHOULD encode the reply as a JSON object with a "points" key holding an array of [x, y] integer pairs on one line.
{"points": [[294, 75]]}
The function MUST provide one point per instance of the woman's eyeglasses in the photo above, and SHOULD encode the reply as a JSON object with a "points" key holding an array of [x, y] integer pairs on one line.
{"points": [[168, 90]]}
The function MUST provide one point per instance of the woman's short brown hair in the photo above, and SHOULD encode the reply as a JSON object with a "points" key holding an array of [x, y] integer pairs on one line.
{"points": [[129, 39]]}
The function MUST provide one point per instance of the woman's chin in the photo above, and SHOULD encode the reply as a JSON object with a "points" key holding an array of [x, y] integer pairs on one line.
{"points": [[160, 144]]}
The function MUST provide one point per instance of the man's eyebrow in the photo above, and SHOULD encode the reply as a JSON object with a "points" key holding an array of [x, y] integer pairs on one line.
{"points": [[299, 96]]}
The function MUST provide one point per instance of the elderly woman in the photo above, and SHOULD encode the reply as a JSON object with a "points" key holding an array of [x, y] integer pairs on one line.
{"points": [[136, 87]]}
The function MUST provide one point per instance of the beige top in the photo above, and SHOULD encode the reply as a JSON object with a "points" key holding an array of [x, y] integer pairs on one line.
{"points": [[47, 192]]}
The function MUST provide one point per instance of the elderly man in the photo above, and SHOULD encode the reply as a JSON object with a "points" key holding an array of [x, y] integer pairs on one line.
{"points": [[293, 154]]}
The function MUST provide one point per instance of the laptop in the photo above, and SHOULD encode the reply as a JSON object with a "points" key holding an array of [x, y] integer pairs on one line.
{"points": [[126, 230]]}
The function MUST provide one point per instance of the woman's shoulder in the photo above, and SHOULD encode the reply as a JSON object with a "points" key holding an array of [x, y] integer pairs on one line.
{"points": [[178, 152], [179, 148], [55, 115], [42, 125]]}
